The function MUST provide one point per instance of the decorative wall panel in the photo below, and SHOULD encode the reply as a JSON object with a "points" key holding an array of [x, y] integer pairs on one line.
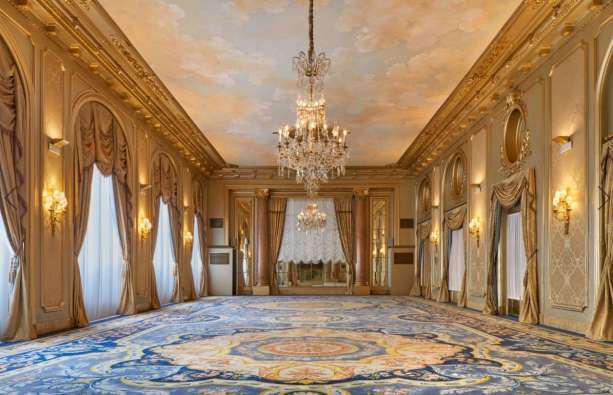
{"points": [[568, 277]]}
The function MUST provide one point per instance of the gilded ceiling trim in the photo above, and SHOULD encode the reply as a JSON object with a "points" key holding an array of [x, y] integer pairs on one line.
{"points": [[524, 42], [86, 31], [267, 173]]}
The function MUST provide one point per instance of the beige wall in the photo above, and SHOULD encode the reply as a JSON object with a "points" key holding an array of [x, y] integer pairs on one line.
{"points": [[561, 99], [56, 87]]}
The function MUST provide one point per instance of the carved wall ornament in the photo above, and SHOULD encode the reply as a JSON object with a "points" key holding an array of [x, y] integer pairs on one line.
{"points": [[515, 147], [456, 180], [425, 197]]}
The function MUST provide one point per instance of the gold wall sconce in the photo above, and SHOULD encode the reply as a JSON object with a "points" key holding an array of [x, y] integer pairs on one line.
{"points": [[55, 203], [474, 228], [565, 143], [476, 186], [563, 204], [144, 228], [435, 237], [55, 144], [188, 238], [144, 187]]}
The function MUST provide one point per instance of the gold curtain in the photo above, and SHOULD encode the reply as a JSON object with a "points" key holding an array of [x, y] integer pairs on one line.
{"points": [[102, 143], [166, 188], [601, 327], [454, 220], [13, 206], [276, 216], [422, 233], [505, 195], [343, 208], [187, 256], [154, 299], [199, 201]]}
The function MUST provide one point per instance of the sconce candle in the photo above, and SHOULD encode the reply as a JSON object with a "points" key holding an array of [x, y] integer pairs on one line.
{"points": [[435, 237], [188, 238], [55, 202], [474, 228], [563, 204], [144, 228]]}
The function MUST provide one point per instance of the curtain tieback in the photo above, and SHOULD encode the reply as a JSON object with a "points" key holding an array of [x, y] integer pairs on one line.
{"points": [[175, 269]]}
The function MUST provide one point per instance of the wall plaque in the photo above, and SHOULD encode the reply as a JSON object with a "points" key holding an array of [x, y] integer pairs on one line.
{"points": [[407, 223], [216, 222], [219, 259]]}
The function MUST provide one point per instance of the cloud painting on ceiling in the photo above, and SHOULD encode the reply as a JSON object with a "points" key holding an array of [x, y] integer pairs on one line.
{"points": [[228, 62]]}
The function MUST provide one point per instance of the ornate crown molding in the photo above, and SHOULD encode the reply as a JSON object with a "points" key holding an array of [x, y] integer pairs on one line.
{"points": [[85, 30], [533, 32], [271, 173]]}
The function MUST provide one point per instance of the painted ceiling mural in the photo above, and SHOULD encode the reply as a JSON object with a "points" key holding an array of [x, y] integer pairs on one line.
{"points": [[228, 62]]}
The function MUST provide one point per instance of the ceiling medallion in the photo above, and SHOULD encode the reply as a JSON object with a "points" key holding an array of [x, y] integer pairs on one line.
{"points": [[311, 219], [515, 147], [313, 149]]}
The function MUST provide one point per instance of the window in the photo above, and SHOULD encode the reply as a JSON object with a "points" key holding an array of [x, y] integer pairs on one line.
{"points": [[456, 260], [516, 257], [163, 257], [101, 257], [6, 254], [196, 260]]}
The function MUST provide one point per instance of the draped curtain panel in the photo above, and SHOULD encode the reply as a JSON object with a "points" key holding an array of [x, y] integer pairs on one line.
{"points": [[344, 218], [276, 216], [454, 220], [189, 257], [457, 267], [101, 258], [13, 206], [199, 202], [196, 261], [101, 141], [522, 188], [164, 259], [422, 234], [166, 188], [601, 327]]}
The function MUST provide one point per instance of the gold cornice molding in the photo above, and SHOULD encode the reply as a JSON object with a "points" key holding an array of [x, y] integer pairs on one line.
{"points": [[271, 173], [107, 54], [532, 33]]}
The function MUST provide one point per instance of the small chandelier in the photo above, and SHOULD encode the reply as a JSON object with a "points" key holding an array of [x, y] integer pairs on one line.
{"points": [[313, 149], [312, 219]]}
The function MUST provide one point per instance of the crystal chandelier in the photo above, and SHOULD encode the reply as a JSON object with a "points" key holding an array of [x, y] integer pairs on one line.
{"points": [[311, 219], [313, 149]]}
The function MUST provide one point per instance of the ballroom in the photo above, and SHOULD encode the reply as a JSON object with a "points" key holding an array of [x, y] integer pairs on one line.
{"points": [[341, 197]]}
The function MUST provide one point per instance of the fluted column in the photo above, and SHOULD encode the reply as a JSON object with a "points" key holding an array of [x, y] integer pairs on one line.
{"points": [[362, 245], [262, 286]]}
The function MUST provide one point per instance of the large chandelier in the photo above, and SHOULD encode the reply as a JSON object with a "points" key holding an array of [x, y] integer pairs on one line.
{"points": [[313, 149], [311, 219]]}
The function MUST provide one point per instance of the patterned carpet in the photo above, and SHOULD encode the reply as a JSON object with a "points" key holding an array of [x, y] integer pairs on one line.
{"points": [[309, 345]]}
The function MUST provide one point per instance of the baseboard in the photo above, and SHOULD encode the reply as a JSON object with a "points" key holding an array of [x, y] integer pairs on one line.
{"points": [[361, 290], [261, 290]]}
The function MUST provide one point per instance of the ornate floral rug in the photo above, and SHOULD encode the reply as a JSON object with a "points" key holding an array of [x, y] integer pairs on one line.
{"points": [[309, 345]]}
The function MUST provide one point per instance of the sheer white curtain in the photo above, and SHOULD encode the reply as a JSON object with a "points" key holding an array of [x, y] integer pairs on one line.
{"points": [[516, 257], [101, 259], [196, 260], [163, 258], [456, 260], [315, 246], [6, 254]]}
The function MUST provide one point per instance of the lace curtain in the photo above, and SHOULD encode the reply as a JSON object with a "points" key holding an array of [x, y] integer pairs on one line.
{"points": [[197, 261], [313, 246], [101, 260], [163, 257], [456, 260], [516, 257]]}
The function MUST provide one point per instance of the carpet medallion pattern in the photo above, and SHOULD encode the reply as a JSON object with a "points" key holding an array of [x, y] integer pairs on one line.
{"points": [[309, 345]]}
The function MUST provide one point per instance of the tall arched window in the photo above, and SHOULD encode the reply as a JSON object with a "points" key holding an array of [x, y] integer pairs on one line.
{"points": [[6, 253], [101, 259], [163, 258], [196, 260]]}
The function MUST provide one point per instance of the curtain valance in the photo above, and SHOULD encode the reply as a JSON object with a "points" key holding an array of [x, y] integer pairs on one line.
{"points": [[454, 220]]}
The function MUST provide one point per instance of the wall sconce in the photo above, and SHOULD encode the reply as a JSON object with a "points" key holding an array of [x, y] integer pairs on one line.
{"points": [[563, 204], [144, 228], [435, 237], [55, 202], [476, 186], [55, 144], [565, 143], [188, 238], [474, 228]]}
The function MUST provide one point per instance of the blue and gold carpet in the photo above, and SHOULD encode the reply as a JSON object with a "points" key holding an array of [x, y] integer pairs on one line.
{"points": [[309, 345]]}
